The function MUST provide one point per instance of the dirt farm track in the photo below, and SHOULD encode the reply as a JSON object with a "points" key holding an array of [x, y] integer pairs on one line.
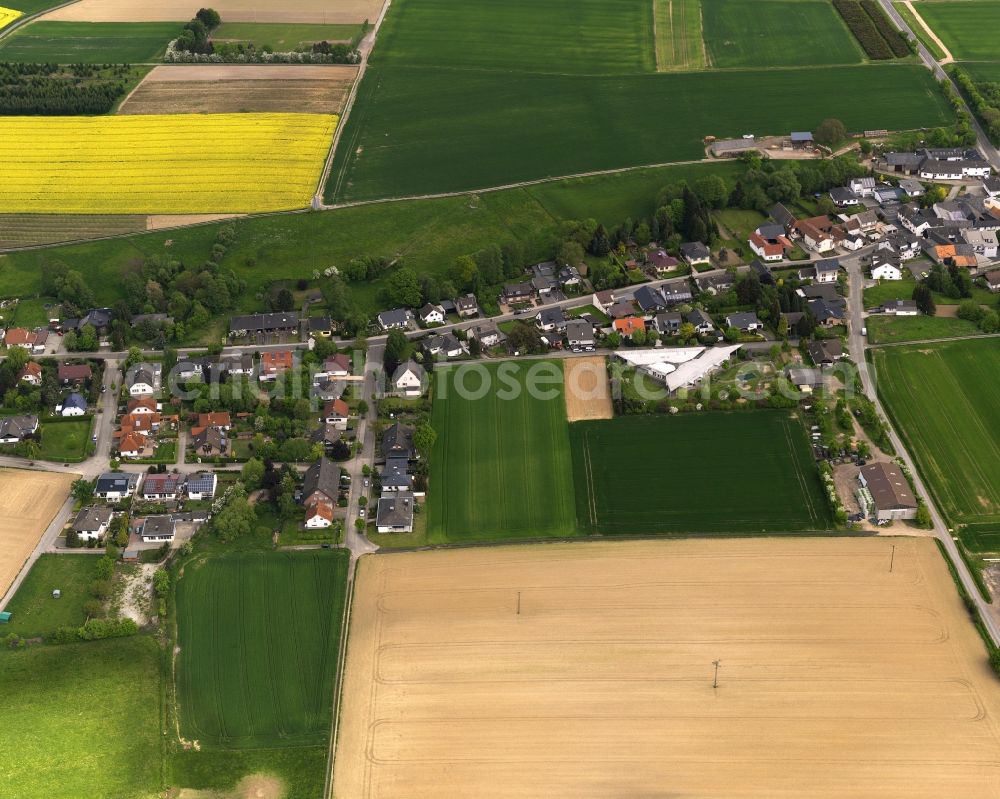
{"points": [[28, 502], [585, 670]]}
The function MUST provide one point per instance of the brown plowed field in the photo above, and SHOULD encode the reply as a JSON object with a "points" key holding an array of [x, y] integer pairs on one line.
{"points": [[210, 89], [585, 671], [28, 502], [588, 395], [312, 11]]}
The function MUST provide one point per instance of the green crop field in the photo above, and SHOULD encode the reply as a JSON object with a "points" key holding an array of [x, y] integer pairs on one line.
{"points": [[740, 472], [501, 466], [429, 234], [425, 130], [36, 613], [81, 720], [88, 42], [583, 37], [679, 43], [903, 10], [968, 28], [983, 70], [282, 37], [895, 330], [776, 33], [945, 401], [259, 635]]}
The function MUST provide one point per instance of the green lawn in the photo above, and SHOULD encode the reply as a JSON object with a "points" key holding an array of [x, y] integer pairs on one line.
{"points": [[731, 473], [740, 223], [983, 70], [65, 441], [426, 130], [903, 290], [89, 42], [679, 41], [300, 769], [893, 329], [501, 466], [428, 234], [36, 613], [776, 33], [81, 720], [283, 37], [918, 29], [31, 313], [259, 634], [944, 400], [584, 37], [968, 28]]}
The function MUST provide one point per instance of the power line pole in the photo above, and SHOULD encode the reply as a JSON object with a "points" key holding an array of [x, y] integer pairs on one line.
{"points": [[715, 680], [518, 603], [892, 558]]}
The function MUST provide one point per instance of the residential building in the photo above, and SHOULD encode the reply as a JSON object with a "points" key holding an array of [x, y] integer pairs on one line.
{"points": [[745, 322], [395, 513], [783, 217], [396, 319], [886, 265], [74, 405], [319, 326], [828, 312], [327, 435], [446, 346], [320, 482], [763, 272], [157, 529], [143, 379], [68, 373], [278, 323], [992, 279], [913, 188], [397, 441], [467, 306], [569, 277], [92, 523], [629, 326], [396, 477], [161, 487], [667, 324], [142, 405], [319, 514], [201, 485], [843, 197], [863, 186], [890, 491], [409, 379], [715, 284], [660, 262], [432, 314], [274, 363], [336, 413], [806, 380], [649, 300], [31, 340], [825, 352], [241, 365], [115, 486], [676, 292], [133, 444], [900, 308], [517, 293], [31, 374], [695, 253], [487, 334], [210, 442], [770, 242], [215, 419], [702, 321], [551, 319], [17, 428], [335, 366], [814, 238], [580, 334], [620, 310]]}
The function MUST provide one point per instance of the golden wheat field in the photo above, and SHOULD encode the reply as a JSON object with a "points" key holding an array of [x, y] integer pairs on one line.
{"points": [[28, 502], [586, 671], [172, 164]]}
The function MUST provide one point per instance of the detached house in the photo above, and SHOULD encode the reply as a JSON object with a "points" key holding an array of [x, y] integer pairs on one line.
{"points": [[395, 513], [319, 492], [16, 428], [92, 523], [396, 319], [74, 405], [68, 373], [863, 187], [744, 322], [161, 487], [467, 306], [629, 326], [886, 265], [580, 334], [157, 529], [551, 319], [769, 242], [275, 363], [695, 253], [336, 413], [115, 486], [432, 314], [488, 334], [397, 441], [31, 374], [409, 379], [143, 379]]}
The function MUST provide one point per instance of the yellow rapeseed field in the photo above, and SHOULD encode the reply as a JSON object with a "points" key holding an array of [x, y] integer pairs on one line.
{"points": [[176, 164], [7, 16]]}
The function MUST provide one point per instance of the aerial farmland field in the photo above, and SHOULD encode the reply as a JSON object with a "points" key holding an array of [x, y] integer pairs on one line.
{"points": [[88, 43], [259, 634], [189, 163], [314, 12], [588, 668], [7, 16], [776, 33], [968, 28], [679, 42], [739, 472], [501, 466], [945, 402], [419, 131]]}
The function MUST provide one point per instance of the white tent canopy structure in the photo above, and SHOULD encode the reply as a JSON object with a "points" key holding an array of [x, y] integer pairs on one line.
{"points": [[678, 367]]}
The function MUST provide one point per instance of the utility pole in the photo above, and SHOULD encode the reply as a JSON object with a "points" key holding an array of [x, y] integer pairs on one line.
{"points": [[715, 680], [518, 603], [892, 558]]}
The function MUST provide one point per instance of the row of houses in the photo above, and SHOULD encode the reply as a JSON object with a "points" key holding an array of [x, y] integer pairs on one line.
{"points": [[464, 307], [933, 164]]}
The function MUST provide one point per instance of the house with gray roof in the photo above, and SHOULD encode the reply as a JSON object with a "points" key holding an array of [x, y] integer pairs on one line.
{"points": [[321, 482], [116, 486], [397, 441], [396, 319], [745, 321], [157, 529], [579, 334], [201, 485], [16, 428], [395, 513], [92, 523], [890, 491]]}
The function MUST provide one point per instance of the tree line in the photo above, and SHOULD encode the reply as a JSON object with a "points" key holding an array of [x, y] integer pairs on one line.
{"points": [[53, 90], [873, 30]]}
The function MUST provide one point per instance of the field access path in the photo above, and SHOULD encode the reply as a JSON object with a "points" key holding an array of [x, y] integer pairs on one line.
{"points": [[858, 345]]}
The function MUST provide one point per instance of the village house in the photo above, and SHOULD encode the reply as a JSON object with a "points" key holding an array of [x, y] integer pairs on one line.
{"points": [[431, 314], [629, 326], [889, 490], [900, 308], [715, 284], [667, 324], [445, 346], [396, 319], [74, 405], [825, 352], [16, 428], [843, 197], [274, 363], [319, 492], [649, 300], [395, 513], [278, 323], [659, 262], [886, 265], [515, 293], [75, 373], [467, 306], [165, 487], [409, 379], [487, 334], [157, 529], [31, 374], [813, 237], [580, 334], [31, 340], [143, 379], [92, 523], [336, 413], [115, 486], [770, 242], [701, 321], [863, 186], [828, 312], [209, 442], [132, 444], [551, 319], [913, 188], [745, 322], [201, 485], [695, 253], [397, 441]]}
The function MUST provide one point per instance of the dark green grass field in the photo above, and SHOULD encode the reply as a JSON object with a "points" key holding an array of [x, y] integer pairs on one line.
{"points": [[945, 401], [892, 329], [416, 131], [81, 720], [730, 473], [776, 33], [88, 42], [282, 37], [983, 70], [428, 234], [968, 28], [501, 467], [35, 612], [258, 636], [582, 37]]}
